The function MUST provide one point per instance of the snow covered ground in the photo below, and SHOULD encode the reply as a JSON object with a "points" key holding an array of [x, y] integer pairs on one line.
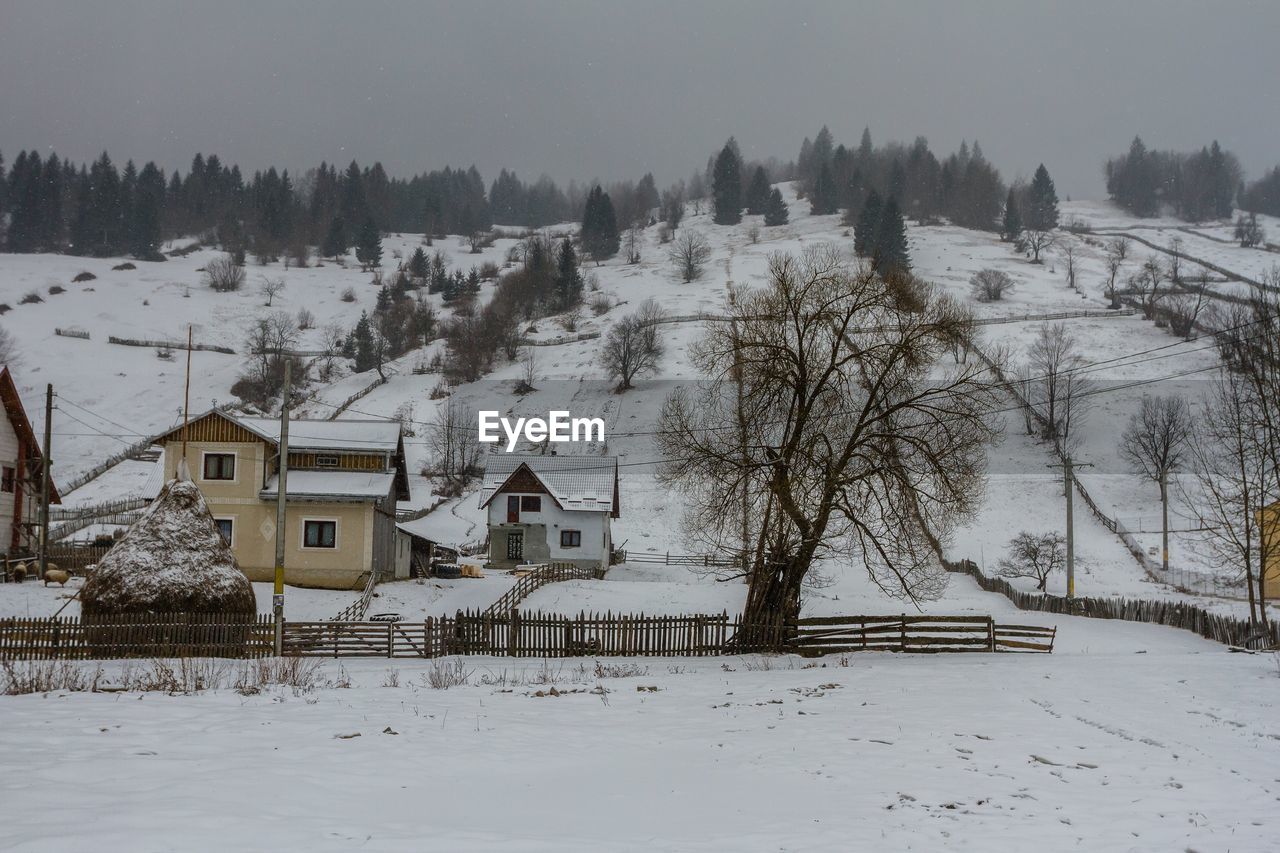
{"points": [[1128, 738]]}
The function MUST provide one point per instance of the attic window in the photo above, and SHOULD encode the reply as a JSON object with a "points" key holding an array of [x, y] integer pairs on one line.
{"points": [[326, 462], [530, 503]]}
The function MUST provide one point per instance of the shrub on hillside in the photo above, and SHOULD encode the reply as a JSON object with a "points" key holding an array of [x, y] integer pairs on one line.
{"points": [[30, 298], [56, 289], [223, 274], [84, 276], [125, 266], [348, 295]]}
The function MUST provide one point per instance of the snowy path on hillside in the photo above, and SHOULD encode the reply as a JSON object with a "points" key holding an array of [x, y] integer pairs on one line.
{"points": [[1095, 747]]}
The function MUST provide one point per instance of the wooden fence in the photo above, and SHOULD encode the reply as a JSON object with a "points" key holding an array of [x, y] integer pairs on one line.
{"points": [[539, 577], [72, 333], [1175, 614], [669, 559], [176, 346], [136, 635], [826, 635], [511, 634]]}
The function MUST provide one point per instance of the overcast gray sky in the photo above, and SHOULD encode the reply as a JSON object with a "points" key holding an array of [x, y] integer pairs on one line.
{"points": [[614, 89]]}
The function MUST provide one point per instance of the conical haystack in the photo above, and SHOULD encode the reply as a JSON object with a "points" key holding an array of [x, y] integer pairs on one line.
{"points": [[172, 560]]}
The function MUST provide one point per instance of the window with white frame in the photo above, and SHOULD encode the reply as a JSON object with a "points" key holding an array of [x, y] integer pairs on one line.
{"points": [[319, 533]]}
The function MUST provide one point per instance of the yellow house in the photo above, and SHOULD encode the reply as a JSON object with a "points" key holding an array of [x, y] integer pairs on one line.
{"points": [[1269, 520], [344, 480]]}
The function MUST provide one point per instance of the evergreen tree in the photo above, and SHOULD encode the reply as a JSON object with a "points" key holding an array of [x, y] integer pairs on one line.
{"points": [[864, 146], [825, 198], [600, 226], [726, 186], [568, 281], [4, 192], [128, 198], [369, 244], [868, 225], [25, 227], [148, 213], [81, 236], [419, 266], [891, 241], [335, 239], [1011, 226], [1042, 202], [758, 192], [775, 209], [104, 209], [53, 237], [362, 344]]}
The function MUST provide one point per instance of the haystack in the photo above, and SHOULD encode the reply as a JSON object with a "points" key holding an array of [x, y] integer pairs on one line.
{"points": [[172, 560]]}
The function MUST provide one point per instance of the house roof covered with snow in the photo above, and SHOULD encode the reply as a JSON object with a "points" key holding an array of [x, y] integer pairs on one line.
{"points": [[586, 483], [331, 485], [367, 436]]}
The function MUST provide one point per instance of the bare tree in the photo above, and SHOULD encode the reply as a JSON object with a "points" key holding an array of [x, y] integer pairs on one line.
{"points": [[1070, 263], [1174, 263], [268, 340], [306, 320], [856, 446], [1248, 231], [8, 348], [223, 274], [454, 444], [689, 253], [528, 371], [1145, 285], [332, 339], [1185, 308], [990, 285], [632, 242], [1117, 251], [271, 288], [633, 345], [1034, 556], [1057, 386], [1036, 242], [1156, 444]]}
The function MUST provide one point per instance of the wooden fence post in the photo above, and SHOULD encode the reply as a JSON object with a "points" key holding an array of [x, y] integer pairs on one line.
{"points": [[991, 634], [902, 633]]}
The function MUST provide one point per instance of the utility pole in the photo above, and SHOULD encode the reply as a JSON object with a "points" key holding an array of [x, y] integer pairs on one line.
{"points": [[277, 600], [1068, 484], [45, 465]]}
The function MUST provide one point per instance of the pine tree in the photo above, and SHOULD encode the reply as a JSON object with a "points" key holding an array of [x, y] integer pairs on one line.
{"points": [[148, 213], [775, 209], [25, 203], [128, 198], [335, 239], [825, 198], [369, 244], [1042, 202], [362, 344], [53, 226], [758, 192], [419, 266], [726, 186], [890, 252], [868, 225], [1012, 223], [600, 226], [568, 281]]}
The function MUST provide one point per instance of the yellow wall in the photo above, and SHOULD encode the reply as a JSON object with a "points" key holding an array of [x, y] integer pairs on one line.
{"points": [[253, 537], [1270, 518]]}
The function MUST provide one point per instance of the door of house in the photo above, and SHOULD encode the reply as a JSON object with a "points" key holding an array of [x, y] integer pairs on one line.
{"points": [[515, 545], [513, 509]]}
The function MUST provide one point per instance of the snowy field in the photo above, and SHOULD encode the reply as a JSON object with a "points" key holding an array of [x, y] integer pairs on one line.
{"points": [[1128, 738]]}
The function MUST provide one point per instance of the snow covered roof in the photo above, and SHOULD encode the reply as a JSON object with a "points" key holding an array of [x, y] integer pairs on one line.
{"points": [[587, 483], [357, 485], [371, 435]]}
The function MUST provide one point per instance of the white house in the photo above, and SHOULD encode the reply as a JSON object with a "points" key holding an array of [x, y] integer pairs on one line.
{"points": [[544, 508]]}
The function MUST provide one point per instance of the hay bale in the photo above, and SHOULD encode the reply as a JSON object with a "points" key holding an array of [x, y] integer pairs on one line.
{"points": [[172, 560]]}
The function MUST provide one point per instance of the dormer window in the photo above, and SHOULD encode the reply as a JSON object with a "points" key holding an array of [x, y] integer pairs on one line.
{"points": [[326, 462]]}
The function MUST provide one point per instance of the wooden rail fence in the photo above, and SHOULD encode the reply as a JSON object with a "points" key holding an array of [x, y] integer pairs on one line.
{"points": [[539, 577], [1173, 613], [136, 635], [669, 559], [513, 634]]}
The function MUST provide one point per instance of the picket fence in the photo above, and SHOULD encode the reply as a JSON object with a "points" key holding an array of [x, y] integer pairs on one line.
{"points": [[1175, 614]]}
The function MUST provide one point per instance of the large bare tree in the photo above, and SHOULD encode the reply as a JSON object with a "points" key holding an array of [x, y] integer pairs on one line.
{"points": [[453, 441], [633, 345], [1156, 443], [1057, 384], [826, 405]]}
